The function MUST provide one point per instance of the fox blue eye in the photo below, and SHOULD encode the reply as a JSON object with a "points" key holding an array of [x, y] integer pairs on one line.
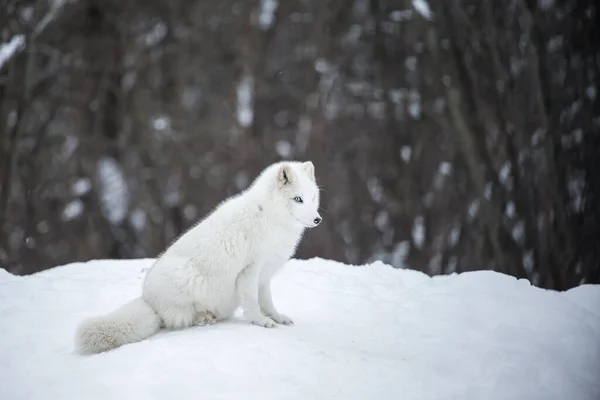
{"points": [[298, 199]]}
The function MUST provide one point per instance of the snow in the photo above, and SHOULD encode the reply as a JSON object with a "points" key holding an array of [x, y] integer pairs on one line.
{"points": [[418, 231], [505, 172], [322, 66], [411, 63], [355, 32], [454, 236], [81, 187], [414, 107], [423, 8], [518, 232], [138, 219], [72, 210], [445, 168], [245, 111], [381, 220], [11, 119], [161, 123], [30, 242], [43, 227], [400, 253], [473, 209], [375, 189], [242, 180], [172, 195], [487, 190], [360, 332], [267, 13], [538, 137], [510, 210], [114, 195], [576, 188], [190, 212], [128, 80], [329, 90], [406, 153], [10, 48], [283, 148], [27, 13], [528, 261], [303, 134], [591, 93], [155, 35]]}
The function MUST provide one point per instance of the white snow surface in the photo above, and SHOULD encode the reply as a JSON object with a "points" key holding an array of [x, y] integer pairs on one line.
{"points": [[360, 332]]}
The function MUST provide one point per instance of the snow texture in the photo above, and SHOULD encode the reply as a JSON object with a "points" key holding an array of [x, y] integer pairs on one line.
{"points": [[114, 194], [10, 48], [418, 231], [284, 148], [406, 153], [423, 8], [156, 34], [245, 107], [360, 332], [505, 172], [81, 187], [454, 236], [445, 168], [510, 211], [414, 106], [72, 210], [161, 123], [473, 209], [138, 219], [267, 13]]}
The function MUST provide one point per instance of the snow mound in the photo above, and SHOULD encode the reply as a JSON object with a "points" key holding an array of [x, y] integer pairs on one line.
{"points": [[361, 332]]}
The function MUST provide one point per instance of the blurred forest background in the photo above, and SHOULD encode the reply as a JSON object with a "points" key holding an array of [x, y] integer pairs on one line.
{"points": [[448, 135]]}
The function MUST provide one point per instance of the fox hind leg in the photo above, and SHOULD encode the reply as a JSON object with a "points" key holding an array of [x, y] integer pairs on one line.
{"points": [[178, 317], [205, 318]]}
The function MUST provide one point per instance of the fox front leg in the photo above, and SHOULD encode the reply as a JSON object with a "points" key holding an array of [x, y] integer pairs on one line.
{"points": [[247, 289], [265, 301]]}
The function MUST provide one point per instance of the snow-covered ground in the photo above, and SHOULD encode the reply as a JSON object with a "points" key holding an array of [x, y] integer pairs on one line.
{"points": [[361, 333]]}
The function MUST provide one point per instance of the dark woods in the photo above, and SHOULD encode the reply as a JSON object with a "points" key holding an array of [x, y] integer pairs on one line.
{"points": [[451, 138]]}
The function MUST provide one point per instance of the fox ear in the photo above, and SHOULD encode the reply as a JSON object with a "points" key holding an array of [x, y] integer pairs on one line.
{"points": [[285, 175], [309, 168]]}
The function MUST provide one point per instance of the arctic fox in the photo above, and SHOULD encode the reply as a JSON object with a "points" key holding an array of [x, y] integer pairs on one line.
{"points": [[224, 262]]}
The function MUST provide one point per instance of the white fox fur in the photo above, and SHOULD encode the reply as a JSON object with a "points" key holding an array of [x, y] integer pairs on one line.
{"points": [[224, 262]]}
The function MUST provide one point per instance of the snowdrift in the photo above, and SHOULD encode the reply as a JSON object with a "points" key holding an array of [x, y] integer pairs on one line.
{"points": [[361, 332]]}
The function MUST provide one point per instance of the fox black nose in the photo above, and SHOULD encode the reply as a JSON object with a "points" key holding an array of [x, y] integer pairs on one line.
{"points": [[317, 220]]}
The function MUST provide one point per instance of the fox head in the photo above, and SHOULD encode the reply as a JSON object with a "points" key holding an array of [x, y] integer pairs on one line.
{"points": [[297, 190]]}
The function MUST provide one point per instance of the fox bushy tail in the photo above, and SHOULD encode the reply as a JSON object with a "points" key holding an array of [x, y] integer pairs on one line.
{"points": [[132, 322]]}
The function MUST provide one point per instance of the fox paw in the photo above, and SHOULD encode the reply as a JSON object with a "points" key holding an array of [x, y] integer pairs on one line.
{"points": [[282, 319], [205, 318], [264, 322]]}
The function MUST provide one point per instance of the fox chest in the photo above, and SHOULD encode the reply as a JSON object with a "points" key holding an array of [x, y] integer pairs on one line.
{"points": [[276, 248]]}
